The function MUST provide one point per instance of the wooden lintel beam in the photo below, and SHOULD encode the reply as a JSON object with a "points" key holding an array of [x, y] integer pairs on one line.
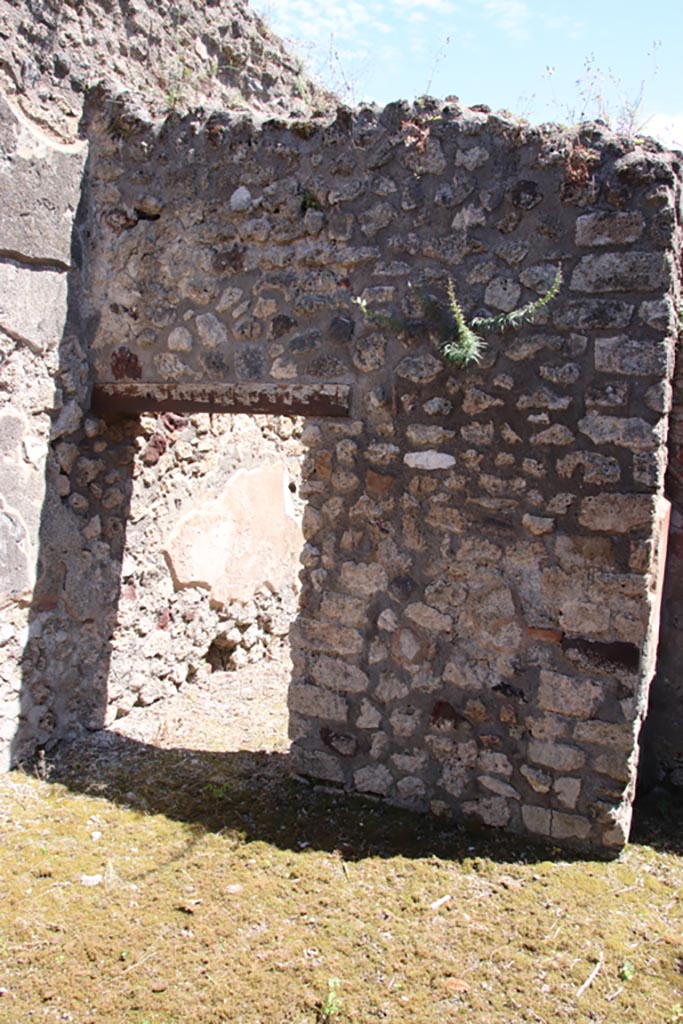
{"points": [[115, 399]]}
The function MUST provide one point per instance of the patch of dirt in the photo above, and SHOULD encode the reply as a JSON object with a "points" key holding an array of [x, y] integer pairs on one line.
{"points": [[245, 709]]}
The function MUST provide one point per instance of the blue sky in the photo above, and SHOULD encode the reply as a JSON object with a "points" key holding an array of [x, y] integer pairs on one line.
{"points": [[525, 56]]}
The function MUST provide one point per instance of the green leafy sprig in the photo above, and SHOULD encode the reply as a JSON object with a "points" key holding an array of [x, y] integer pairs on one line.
{"points": [[518, 317], [467, 345], [460, 343]]}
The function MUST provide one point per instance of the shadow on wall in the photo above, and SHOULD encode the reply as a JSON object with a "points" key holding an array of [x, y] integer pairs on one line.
{"points": [[663, 728], [102, 640], [73, 611]]}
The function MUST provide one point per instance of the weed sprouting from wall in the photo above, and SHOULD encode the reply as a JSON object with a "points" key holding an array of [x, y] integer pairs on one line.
{"points": [[459, 343]]}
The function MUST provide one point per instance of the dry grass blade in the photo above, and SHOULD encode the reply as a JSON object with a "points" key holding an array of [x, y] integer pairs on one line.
{"points": [[591, 977]]}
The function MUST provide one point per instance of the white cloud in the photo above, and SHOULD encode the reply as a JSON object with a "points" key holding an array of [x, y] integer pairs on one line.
{"points": [[338, 19], [564, 23], [667, 128], [432, 6], [512, 16]]}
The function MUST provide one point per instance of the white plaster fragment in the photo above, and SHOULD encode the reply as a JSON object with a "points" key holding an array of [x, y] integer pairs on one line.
{"points": [[429, 459]]}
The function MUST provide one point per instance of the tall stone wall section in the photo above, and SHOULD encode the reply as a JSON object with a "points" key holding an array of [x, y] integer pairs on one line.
{"points": [[79, 642], [40, 187], [663, 735], [98, 616], [484, 547]]}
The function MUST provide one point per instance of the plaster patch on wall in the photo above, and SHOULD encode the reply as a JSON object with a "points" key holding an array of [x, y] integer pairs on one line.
{"points": [[245, 539]]}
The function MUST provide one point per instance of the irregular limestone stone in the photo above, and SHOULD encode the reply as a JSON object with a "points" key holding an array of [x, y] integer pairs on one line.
{"points": [[537, 819], [626, 355], [620, 272], [429, 459], [569, 826], [617, 513], [382, 454], [373, 779], [607, 228], [388, 620], [316, 703], [568, 373], [369, 717], [559, 756], [32, 305], [211, 331], [328, 637], [420, 369], [493, 811], [391, 688], [499, 787], [498, 764], [539, 781], [411, 788], [476, 400], [426, 435], [363, 579], [428, 618], [502, 293], [597, 468], [567, 790], [349, 611], [593, 313], [578, 698], [405, 721], [628, 432], [538, 525], [317, 764], [606, 734], [338, 675], [558, 435], [543, 398]]}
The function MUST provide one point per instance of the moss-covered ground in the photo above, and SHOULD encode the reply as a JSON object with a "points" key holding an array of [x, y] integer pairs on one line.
{"points": [[141, 885]]}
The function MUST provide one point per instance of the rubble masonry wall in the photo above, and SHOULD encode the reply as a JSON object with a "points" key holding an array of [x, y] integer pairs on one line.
{"points": [[480, 581]]}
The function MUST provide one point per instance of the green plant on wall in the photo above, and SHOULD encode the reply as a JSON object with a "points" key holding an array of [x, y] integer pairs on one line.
{"points": [[460, 343]]}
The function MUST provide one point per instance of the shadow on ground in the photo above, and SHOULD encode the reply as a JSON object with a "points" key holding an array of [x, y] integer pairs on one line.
{"points": [[254, 797], [658, 820]]}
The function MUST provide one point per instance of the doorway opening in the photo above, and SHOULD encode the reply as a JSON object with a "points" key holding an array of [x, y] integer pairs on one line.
{"points": [[209, 582]]}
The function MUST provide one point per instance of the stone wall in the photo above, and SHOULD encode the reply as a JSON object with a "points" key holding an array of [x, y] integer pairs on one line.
{"points": [[40, 186], [485, 547], [98, 613], [663, 735], [477, 623], [162, 53]]}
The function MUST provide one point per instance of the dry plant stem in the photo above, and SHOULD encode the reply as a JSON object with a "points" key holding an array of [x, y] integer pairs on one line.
{"points": [[591, 977], [140, 962]]}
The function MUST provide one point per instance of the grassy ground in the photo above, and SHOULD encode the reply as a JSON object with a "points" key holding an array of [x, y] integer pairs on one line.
{"points": [[142, 885]]}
